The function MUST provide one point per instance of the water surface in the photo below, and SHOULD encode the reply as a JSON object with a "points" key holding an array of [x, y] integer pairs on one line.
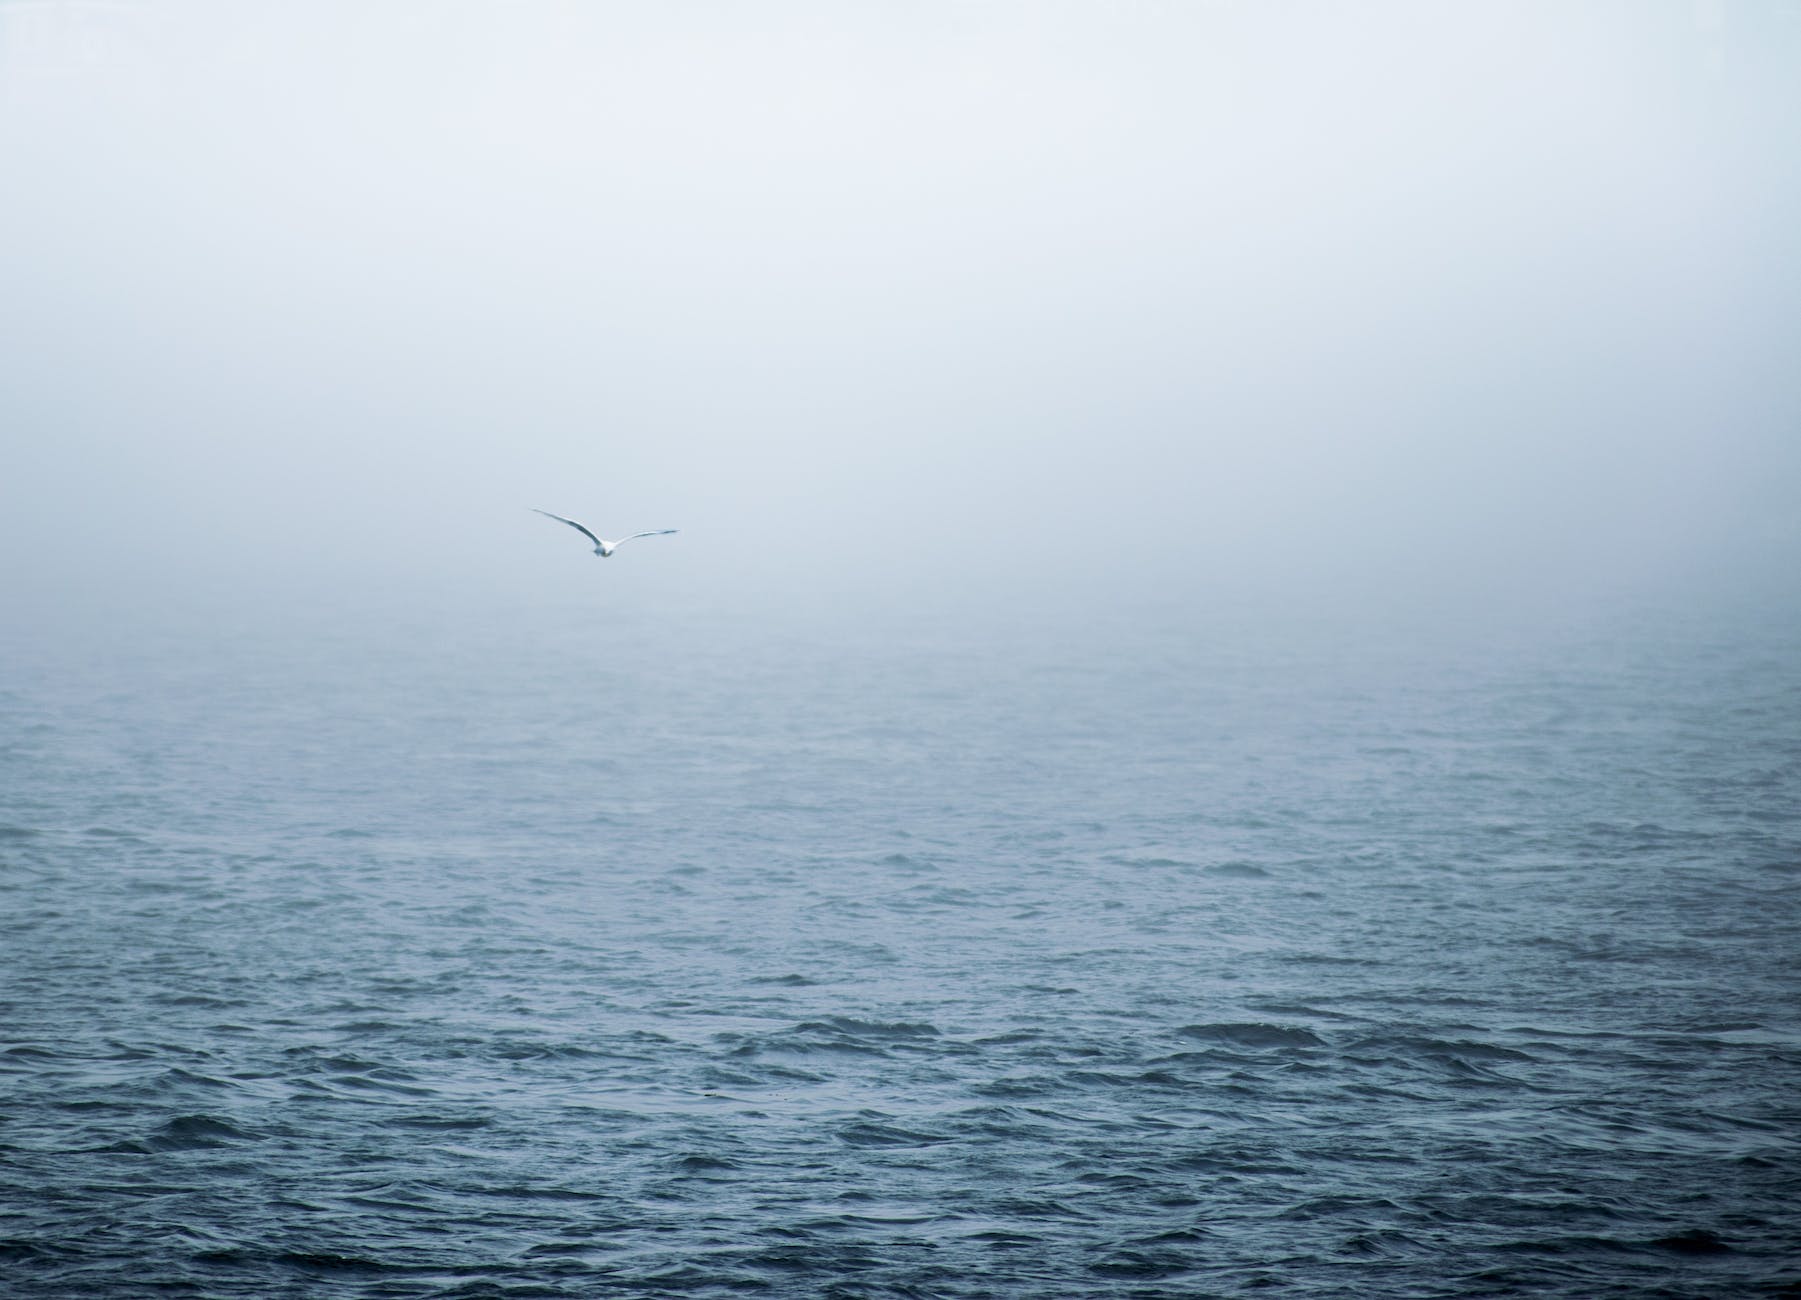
{"points": [[475, 955]]}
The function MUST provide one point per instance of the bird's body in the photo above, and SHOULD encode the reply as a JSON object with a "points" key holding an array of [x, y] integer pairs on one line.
{"points": [[602, 547]]}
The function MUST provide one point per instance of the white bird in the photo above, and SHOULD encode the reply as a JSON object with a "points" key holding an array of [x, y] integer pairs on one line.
{"points": [[602, 547]]}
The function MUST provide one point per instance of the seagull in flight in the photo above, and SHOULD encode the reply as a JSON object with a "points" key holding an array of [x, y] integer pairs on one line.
{"points": [[602, 547]]}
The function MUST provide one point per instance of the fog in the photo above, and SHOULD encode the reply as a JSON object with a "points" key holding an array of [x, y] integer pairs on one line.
{"points": [[894, 306]]}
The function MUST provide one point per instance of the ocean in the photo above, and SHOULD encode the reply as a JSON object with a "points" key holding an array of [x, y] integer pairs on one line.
{"points": [[545, 952]]}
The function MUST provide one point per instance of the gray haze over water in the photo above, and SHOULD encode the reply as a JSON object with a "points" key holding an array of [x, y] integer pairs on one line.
{"points": [[1224, 717], [955, 303]]}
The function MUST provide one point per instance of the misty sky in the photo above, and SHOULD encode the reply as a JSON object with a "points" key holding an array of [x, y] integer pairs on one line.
{"points": [[1062, 299]]}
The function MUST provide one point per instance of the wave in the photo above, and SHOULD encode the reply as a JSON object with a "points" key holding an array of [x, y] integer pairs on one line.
{"points": [[1253, 1034]]}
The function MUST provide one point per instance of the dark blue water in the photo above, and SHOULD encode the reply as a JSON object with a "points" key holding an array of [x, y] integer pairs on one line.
{"points": [[487, 955]]}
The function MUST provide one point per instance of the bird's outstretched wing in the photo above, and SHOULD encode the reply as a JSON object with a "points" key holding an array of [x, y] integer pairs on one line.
{"points": [[578, 528], [655, 532]]}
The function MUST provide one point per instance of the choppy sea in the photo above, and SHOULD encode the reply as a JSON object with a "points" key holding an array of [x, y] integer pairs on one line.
{"points": [[499, 956]]}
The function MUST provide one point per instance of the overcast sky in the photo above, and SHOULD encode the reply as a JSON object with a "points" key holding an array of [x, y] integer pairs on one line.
{"points": [[1034, 300]]}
